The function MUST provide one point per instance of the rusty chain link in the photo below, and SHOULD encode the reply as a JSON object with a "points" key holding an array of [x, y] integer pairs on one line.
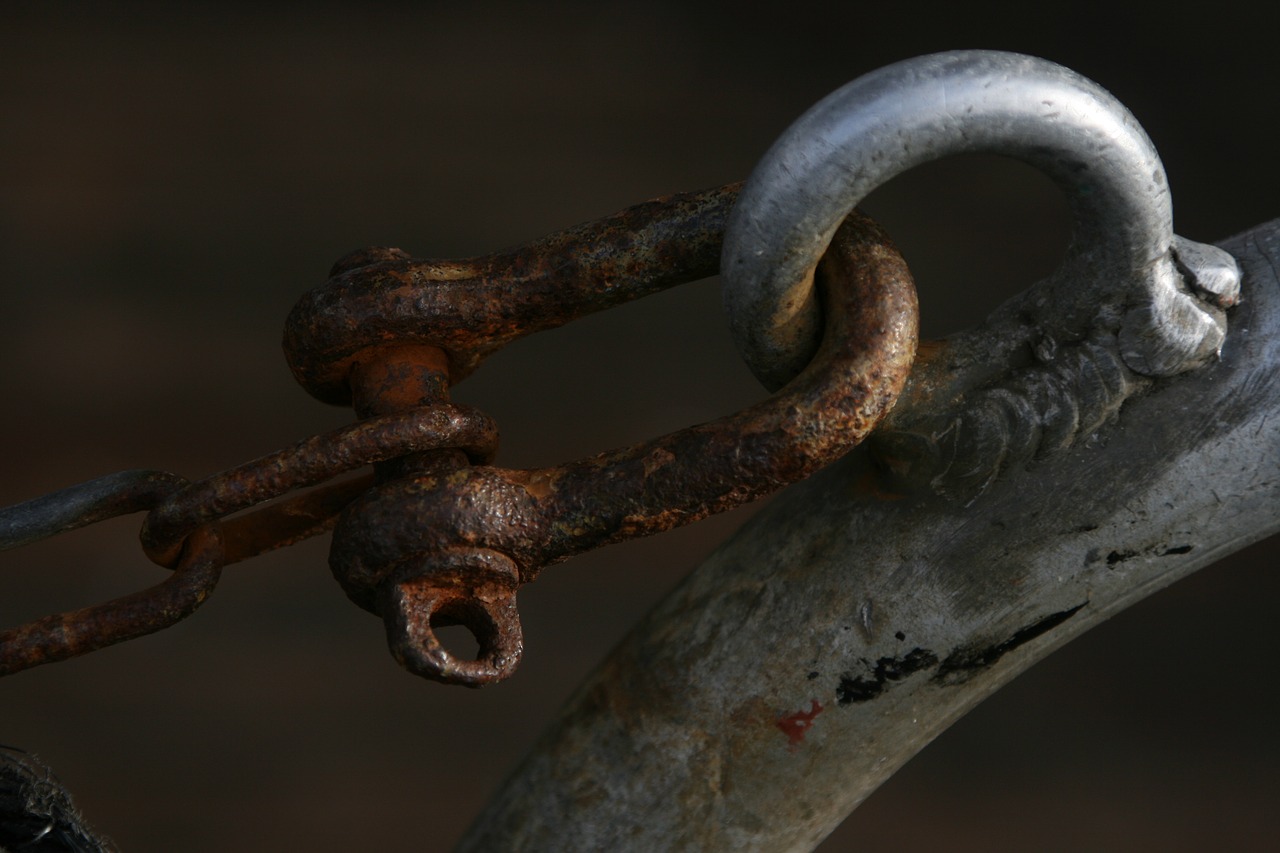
{"points": [[436, 535], [53, 638]]}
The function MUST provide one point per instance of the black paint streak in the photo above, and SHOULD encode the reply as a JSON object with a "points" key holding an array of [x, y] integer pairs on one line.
{"points": [[1120, 556], [966, 661], [886, 670]]}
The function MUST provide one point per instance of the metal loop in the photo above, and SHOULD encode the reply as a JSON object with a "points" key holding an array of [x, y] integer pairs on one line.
{"points": [[966, 101], [314, 460], [471, 587], [83, 504], [72, 633]]}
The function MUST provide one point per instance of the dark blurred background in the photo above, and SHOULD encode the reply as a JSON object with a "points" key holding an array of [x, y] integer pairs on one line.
{"points": [[170, 182]]}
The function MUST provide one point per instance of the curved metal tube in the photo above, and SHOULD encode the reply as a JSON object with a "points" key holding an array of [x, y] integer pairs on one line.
{"points": [[923, 109], [847, 625]]}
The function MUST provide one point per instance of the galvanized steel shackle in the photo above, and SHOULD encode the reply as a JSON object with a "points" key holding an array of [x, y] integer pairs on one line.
{"points": [[1030, 109]]}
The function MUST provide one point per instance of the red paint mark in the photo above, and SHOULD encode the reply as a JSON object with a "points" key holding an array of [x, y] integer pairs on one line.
{"points": [[796, 726]]}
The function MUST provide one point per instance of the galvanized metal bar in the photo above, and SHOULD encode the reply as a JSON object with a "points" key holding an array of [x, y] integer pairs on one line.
{"points": [[868, 608]]}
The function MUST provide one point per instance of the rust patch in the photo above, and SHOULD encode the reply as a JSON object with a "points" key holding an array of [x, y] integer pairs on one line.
{"points": [[540, 484]]}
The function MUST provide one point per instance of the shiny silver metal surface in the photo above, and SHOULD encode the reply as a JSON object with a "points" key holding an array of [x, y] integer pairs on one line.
{"points": [[1119, 271]]}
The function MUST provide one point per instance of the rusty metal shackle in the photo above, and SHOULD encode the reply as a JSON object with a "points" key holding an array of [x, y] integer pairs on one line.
{"points": [[441, 541], [472, 307], [925, 108]]}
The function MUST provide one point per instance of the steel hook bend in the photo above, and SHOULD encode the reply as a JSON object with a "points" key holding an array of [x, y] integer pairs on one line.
{"points": [[923, 109]]}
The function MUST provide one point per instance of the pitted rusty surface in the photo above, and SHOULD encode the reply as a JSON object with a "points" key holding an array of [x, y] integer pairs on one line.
{"points": [[541, 516], [471, 308], [312, 461], [64, 635], [77, 632], [474, 587], [437, 535]]}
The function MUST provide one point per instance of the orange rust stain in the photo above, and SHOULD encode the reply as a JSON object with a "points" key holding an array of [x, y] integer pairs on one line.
{"points": [[540, 483], [796, 726]]}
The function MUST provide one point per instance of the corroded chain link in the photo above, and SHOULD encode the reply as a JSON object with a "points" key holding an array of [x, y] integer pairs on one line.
{"points": [[437, 535]]}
